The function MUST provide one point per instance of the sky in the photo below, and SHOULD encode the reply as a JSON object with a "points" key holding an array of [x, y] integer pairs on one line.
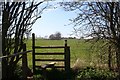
{"points": [[55, 20], [52, 21]]}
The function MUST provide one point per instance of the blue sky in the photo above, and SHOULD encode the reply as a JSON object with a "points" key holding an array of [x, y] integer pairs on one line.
{"points": [[54, 20]]}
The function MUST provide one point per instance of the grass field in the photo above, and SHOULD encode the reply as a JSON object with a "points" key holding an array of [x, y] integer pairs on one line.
{"points": [[85, 61], [79, 49]]}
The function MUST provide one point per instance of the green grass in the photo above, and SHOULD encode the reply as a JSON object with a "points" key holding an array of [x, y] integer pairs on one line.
{"points": [[86, 64], [78, 49]]}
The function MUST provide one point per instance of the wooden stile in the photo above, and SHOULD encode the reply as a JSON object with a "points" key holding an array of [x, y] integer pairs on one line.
{"points": [[66, 55]]}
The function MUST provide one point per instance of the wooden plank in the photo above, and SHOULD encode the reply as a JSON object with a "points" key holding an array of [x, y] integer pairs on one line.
{"points": [[49, 60], [54, 66], [44, 47], [49, 65], [58, 53], [16, 54]]}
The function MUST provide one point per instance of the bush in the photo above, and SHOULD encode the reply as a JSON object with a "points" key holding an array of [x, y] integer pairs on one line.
{"points": [[18, 73], [96, 74], [84, 74]]}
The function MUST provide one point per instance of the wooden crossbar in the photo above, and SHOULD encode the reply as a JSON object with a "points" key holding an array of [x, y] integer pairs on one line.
{"points": [[50, 53], [54, 66], [44, 47], [49, 59], [16, 54]]}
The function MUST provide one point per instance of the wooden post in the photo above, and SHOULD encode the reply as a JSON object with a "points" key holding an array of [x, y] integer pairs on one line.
{"points": [[67, 60], [33, 53], [24, 63], [65, 50]]}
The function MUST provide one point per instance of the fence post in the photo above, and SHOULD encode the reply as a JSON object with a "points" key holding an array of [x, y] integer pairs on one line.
{"points": [[24, 63], [65, 50], [33, 53], [67, 60]]}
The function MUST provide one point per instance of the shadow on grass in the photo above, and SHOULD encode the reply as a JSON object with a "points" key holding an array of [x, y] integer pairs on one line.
{"points": [[82, 74], [54, 74]]}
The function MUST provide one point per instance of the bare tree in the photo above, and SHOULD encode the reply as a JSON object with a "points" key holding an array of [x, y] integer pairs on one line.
{"points": [[98, 20], [17, 19]]}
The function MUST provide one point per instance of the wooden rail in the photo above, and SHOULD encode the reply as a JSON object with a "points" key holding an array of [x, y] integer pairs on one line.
{"points": [[15, 54], [58, 53], [50, 60], [24, 60], [66, 55], [44, 47]]}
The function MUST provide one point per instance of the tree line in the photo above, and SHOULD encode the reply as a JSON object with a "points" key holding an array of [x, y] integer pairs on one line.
{"points": [[57, 36]]}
